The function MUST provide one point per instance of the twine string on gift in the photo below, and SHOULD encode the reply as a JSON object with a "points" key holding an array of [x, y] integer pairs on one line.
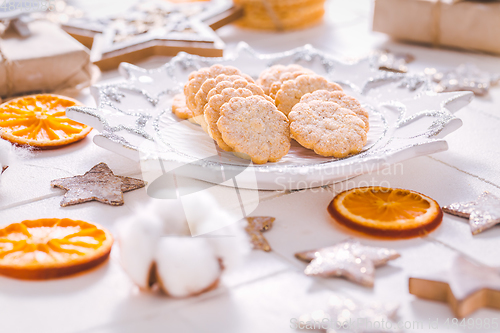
{"points": [[19, 24], [436, 23], [272, 14], [82, 74], [6, 24]]}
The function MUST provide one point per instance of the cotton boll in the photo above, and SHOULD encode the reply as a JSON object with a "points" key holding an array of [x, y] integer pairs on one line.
{"points": [[18, 153], [186, 266], [214, 220], [172, 215], [5, 154], [200, 209], [10, 155], [198, 205], [138, 236], [232, 244], [1, 171]]}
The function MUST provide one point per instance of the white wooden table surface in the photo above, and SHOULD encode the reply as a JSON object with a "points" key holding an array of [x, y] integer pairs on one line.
{"points": [[270, 288]]}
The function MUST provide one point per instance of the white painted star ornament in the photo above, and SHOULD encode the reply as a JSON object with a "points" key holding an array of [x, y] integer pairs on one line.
{"points": [[483, 213], [466, 286], [343, 314], [349, 259], [466, 77]]}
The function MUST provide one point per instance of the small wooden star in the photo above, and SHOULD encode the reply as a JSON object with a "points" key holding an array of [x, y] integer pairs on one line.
{"points": [[348, 259], [393, 62], [4, 167], [257, 225], [483, 213], [99, 184], [467, 287]]}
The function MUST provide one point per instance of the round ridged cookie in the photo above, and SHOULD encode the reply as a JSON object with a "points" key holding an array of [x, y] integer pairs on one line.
{"points": [[292, 91], [215, 101], [179, 107], [254, 126], [212, 112], [197, 78], [273, 74], [341, 99], [327, 128], [201, 99], [255, 89], [276, 86]]}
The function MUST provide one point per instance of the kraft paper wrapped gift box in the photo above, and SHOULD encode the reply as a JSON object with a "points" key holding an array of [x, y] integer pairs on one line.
{"points": [[473, 25], [46, 61]]}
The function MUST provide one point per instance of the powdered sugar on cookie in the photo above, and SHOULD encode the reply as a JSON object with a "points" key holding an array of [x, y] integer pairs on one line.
{"points": [[341, 99], [292, 91], [212, 112], [257, 120], [327, 128], [254, 126], [197, 78], [273, 74]]}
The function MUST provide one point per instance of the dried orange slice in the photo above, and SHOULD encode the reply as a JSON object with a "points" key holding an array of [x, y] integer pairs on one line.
{"points": [[40, 121], [386, 212], [50, 248]]}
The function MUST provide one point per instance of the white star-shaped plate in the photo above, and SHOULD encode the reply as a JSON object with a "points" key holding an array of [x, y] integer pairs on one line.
{"points": [[134, 119]]}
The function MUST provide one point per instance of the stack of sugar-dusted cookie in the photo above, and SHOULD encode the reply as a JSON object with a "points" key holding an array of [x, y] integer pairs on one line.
{"points": [[281, 14], [258, 119], [322, 117], [236, 113]]}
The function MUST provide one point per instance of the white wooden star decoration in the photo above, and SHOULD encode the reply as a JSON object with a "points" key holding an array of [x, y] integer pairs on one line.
{"points": [[343, 314], [349, 259], [466, 287], [482, 213]]}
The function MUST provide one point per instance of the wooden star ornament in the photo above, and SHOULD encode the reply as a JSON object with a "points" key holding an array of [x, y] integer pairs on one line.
{"points": [[99, 184], [466, 287], [483, 213], [393, 62], [256, 226], [349, 259], [153, 28]]}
